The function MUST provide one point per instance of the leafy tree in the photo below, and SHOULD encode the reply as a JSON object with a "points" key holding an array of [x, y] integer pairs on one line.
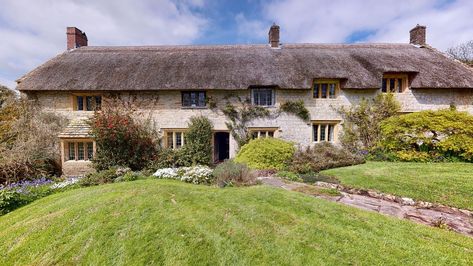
{"points": [[361, 123], [462, 52]]}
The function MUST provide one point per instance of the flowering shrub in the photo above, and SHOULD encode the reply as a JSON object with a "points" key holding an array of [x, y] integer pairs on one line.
{"points": [[122, 139], [195, 174], [18, 194], [66, 183]]}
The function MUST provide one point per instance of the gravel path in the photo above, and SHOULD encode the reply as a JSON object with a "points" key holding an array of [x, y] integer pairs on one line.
{"points": [[460, 221]]}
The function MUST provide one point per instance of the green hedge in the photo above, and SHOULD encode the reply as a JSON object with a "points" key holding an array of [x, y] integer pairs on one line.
{"points": [[266, 153]]}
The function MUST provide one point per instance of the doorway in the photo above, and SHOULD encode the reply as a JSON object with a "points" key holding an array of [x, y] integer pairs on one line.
{"points": [[221, 146]]}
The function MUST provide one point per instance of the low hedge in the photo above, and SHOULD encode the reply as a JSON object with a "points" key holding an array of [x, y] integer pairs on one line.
{"points": [[266, 153]]}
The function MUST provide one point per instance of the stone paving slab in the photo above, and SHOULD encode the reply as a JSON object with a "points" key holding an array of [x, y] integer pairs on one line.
{"points": [[460, 221]]}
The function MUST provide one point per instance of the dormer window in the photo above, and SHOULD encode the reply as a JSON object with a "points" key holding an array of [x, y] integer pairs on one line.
{"points": [[394, 83], [326, 89]]}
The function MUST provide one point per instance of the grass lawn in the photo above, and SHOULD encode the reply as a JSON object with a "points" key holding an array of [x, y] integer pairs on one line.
{"points": [[446, 183], [168, 222]]}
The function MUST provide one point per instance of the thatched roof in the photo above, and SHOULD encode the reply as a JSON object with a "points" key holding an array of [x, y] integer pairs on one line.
{"points": [[240, 66]]}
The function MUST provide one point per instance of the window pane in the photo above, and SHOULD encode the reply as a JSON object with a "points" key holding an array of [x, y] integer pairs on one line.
{"points": [[80, 150], [201, 102], [330, 132], [332, 90], [324, 90], [270, 97], [186, 100], [391, 85], [98, 102], [399, 85], [169, 140], [178, 139], [254, 135], [90, 150], [193, 99], [383, 88], [270, 134], [322, 132], [89, 103], [255, 97], [316, 90], [263, 97], [80, 103], [72, 151], [315, 129]]}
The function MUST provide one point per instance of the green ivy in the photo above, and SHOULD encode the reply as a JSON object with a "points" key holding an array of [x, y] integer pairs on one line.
{"points": [[241, 114], [297, 108], [239, 118]]}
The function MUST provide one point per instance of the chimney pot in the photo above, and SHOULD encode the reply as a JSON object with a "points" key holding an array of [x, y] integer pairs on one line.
{"points": [[274, 36], [418, 35], [75, 38]]}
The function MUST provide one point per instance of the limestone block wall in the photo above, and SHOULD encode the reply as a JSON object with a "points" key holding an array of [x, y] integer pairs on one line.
{"points": [[166, 110], [77, 168]]}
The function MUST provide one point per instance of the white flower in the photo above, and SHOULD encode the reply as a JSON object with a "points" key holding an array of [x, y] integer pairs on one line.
{"points": [[65, 183], [196, 174]]}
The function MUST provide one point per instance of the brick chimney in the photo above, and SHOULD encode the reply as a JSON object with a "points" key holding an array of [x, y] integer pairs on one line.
{"points": [[274, 36], [75, 38], [418, 35]]}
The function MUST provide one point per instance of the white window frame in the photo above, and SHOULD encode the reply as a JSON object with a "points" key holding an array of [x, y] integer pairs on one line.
{"points": [[273, 96]]}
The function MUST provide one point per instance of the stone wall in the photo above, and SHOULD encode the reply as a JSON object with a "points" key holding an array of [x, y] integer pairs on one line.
{"points": [[164, 107], [77, 168]]}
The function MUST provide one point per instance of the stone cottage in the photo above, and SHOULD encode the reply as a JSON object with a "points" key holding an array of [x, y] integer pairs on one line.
{"points": [[177, 81]]}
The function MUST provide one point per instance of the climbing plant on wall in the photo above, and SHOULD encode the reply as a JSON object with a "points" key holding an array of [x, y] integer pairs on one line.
{"points": [[239, 115]]}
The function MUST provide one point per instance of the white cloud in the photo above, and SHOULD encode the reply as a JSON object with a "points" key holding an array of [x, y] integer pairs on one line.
{"points": [[448, 22], [34, 31], [251, 29]]}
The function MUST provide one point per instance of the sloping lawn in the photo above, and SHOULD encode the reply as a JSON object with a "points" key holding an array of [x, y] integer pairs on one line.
{"points": [[446, 183], [168, 222]]}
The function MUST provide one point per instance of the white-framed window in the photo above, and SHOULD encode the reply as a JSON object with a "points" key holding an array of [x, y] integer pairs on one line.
{"points": [[326, 89], [194, 99], [262, 133], [394, 83], [87, 102], [174, 139], [262, 96], [79, 150], [324, 131]]}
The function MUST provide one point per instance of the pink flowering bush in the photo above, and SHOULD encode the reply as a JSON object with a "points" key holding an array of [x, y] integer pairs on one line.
{"points": [[122, 140]]}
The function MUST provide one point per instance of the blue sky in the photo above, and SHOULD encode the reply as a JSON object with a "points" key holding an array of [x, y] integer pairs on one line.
{"points": [[33, 31]]}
